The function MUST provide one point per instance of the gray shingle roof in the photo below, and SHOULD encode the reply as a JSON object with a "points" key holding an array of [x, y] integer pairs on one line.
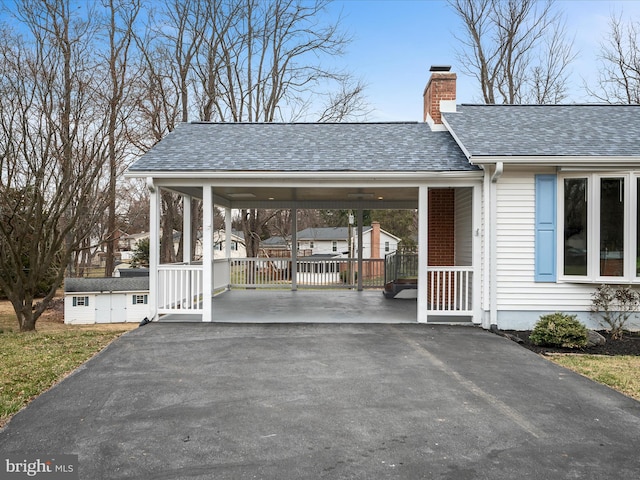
{"points": [[547, 130], [115, 284], [327, 233], [304, 147]]}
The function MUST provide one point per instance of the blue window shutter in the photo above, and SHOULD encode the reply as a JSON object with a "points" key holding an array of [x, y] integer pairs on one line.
{"points": [[75, 301], [546, 228]]}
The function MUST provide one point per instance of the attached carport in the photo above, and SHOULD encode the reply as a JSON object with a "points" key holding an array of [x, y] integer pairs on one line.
{"points": [[310, 166]]}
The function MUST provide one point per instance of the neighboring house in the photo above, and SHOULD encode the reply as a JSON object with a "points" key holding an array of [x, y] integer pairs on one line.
{"points": [[238, 248], [106, 300], [334, 241], [522, 209], [376, 242], [129, 243]]}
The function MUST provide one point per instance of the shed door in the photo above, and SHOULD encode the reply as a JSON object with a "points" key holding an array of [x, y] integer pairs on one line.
{"points": [[118, 308], [111, 308], [103, 308]]}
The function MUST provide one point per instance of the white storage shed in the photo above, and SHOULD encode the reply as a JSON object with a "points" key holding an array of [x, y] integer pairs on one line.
{"points": [[105, 300]]}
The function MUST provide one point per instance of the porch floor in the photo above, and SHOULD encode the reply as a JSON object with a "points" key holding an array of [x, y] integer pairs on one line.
{"points": [[306, 306], [310, 306]]}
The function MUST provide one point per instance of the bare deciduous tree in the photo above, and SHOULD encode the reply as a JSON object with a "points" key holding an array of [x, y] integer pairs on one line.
{"points": [[517, 50], [50, 168], [619, 77], [268, 67], [120, 21]]}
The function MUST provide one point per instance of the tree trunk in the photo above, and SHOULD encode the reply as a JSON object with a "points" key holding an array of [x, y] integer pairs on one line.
{"points": [[24, 312]]}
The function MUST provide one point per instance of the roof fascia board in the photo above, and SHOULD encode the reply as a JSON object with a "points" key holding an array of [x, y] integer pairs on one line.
{"points": [[97, 292], [390, 234], [311, 176], [558, 161]]}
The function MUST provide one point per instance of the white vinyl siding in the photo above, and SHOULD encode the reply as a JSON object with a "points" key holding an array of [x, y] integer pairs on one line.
{"points": [[516, 288], [79, 313], [106, 307]]}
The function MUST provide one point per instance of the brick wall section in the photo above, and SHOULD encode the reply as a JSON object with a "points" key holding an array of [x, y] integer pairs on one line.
{"points": [[441, 227], [441, 86]]}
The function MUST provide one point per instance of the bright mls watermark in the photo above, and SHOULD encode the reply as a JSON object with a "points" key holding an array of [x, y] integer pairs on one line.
{"points": [[49, 467]]}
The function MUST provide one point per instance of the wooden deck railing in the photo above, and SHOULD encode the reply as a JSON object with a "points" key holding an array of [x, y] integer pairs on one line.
{"points": [[310, 273]]}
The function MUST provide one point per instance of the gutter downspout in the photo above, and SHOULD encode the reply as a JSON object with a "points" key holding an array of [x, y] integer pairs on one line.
{"points": [[493, 247]]}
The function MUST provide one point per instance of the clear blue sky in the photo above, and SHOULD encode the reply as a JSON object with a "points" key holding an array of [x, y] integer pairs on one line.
{"points": [[396, 41]]}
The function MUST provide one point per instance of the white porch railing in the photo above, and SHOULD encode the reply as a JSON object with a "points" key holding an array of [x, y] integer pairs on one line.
{"points": [[180, 288], [450, 290]]}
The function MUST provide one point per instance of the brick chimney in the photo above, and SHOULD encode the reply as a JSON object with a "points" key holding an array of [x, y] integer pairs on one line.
{"points": [[375, 239], [439, 95]]}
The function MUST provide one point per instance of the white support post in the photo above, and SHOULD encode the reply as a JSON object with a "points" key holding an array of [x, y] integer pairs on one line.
{"points": [[360, 244], [423, 253], [154, 247], [227, 242], [207, 253], [294, 249], [186, 230]]}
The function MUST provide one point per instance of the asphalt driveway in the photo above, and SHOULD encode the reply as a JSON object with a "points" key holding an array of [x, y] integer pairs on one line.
{"points": [[240, 401]]}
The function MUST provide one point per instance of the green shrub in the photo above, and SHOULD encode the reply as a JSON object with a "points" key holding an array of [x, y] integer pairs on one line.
{"points": [[559, 330]]}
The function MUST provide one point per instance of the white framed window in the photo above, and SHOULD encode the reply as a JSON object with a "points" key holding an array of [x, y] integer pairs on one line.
{"points": [[334, 246], [599, 227], [386, 247], [80, 301], [140, 299]]}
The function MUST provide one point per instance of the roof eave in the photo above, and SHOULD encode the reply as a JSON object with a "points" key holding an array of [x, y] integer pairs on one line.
{"points": [[300, 175], [557, 161]]}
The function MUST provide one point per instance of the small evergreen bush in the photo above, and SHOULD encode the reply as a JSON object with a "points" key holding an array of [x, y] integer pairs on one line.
{"points": [[559, 330]]}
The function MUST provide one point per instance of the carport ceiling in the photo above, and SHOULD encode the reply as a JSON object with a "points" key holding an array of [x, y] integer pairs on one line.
{"points": [[368, 197]]}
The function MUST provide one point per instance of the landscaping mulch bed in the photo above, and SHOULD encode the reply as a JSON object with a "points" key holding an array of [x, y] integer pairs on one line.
{"points": [[628, 345]]}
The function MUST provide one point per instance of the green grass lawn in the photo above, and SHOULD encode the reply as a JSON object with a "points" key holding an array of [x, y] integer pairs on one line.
{"points": [[31, 363], [621, 373]]}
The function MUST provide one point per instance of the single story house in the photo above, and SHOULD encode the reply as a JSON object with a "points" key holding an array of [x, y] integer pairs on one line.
{"points": [[376, 242], [522, 209], [106, 300]]}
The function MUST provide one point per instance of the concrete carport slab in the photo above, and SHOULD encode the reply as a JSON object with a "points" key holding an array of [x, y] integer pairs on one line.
{"points": [[291, 401], [306, 306]]}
